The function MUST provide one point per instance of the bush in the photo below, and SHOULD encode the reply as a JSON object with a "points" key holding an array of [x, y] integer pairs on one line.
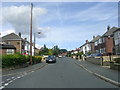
{"points": [[117, 60], [13, 60], [36, 59]]}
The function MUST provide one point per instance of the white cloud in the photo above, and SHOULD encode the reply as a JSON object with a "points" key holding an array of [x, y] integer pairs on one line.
{"points": [[96, 13], [19, 17], [38, 46], [7, 32]]}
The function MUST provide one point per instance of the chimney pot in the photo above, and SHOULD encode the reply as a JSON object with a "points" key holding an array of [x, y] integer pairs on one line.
{"points": [[25, 38], [86, 41], [108, 28], [19, 34]]}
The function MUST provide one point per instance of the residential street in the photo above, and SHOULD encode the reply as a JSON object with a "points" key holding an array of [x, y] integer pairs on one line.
{"points": [[65, 73]]}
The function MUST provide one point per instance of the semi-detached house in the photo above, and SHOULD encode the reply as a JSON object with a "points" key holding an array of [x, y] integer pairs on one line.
{"points": [[22, 45], [104, 45], [89, 47]]}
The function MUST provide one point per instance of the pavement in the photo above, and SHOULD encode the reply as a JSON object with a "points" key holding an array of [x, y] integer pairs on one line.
{"points": [[102, 70], [66, 73]]}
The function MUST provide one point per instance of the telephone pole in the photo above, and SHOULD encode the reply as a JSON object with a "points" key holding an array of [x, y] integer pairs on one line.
{"points": [[31, 35]]}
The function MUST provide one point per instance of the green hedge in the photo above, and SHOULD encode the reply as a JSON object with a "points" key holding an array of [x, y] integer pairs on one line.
{"points": [[18, 59], [36, 59]]}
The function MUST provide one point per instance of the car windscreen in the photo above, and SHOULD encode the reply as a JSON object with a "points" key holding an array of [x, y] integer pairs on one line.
{"points": [[50, 57]]}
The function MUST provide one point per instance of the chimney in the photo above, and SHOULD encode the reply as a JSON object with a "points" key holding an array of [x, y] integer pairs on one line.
{"points": [[93, 37], [108, 28], [19, 34], [25, 39], [86, 41]]}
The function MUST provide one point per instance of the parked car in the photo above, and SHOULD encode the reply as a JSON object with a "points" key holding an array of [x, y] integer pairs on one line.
{"points": [[51, 59]]}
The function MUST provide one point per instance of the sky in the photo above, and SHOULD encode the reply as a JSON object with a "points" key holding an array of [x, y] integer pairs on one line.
{"points": [[66, 24]]}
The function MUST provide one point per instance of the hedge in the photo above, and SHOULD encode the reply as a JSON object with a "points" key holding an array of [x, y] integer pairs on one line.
{"points": [[18, 59]]}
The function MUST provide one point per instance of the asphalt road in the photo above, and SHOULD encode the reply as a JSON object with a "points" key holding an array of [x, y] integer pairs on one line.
{"points": [[62, 74]]}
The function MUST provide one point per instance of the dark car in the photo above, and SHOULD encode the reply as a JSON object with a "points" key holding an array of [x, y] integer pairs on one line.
{"points": [[51, 59]]}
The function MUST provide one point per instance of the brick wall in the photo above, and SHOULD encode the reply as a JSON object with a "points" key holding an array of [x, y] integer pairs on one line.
{"points": [[2, 51], [16, 43], [109, 45]]}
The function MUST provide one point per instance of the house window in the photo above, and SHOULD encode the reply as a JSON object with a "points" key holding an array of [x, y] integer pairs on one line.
{"points": [[103, 40], [10, 51], [96, 43], [8, 42], [18, 43]]}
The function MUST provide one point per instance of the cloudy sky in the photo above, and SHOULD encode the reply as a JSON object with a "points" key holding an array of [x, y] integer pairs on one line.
{"points": [[66, 24]]}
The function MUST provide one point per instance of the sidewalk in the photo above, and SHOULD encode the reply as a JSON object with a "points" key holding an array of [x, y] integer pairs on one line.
{"points": [[104, 71], [23, 69]]}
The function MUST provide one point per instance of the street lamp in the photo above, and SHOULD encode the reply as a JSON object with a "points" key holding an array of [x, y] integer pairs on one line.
{"points": [[35, 40]]}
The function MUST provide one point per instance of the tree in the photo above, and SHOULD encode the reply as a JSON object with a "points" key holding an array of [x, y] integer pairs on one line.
{"points": [[45, 50], [63, 50]]}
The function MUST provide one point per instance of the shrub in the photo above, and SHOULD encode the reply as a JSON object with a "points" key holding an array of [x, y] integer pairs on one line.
{"points": [[13, 60], [36, 59], [117, 60]]}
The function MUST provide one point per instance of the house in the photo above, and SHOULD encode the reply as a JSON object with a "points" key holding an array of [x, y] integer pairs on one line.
{"points": [[37, 51], [104, 44], [116, 41], [90, 47], [7, 49], [92, 42], [26, 50], [14, 39], [86, 48], [22, 45]]}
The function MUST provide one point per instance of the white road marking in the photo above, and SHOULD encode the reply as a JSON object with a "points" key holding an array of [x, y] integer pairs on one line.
{"points": [[2, 87], [18, 77], [8, 79], [6, 84], [13, 77]]}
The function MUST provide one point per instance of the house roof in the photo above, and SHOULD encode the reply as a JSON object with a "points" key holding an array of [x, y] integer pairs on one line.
{"points": [[7, 46], [96, 38], [11, 36], [117, 30], [110, 32]]}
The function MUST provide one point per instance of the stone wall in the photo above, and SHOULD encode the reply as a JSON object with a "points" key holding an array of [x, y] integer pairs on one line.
{"points": [[104, 60], [95, 60]]}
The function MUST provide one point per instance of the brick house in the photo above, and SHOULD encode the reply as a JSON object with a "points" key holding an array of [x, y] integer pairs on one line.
{"points": [[89, 47], [22, 45], [92, 42], [14, 39], [104, 45], [116, 39], [7, 49]]}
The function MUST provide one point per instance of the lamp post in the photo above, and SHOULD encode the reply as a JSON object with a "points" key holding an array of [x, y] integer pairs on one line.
{"points": [[31, 35], [35, 40]]}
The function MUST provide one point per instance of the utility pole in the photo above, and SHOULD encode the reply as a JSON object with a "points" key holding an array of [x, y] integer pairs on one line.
{"points": [[34, 43], [31, 35]]}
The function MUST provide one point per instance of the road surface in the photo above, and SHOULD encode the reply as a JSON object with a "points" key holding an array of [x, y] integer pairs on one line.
{"points": [[65, 73]]}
